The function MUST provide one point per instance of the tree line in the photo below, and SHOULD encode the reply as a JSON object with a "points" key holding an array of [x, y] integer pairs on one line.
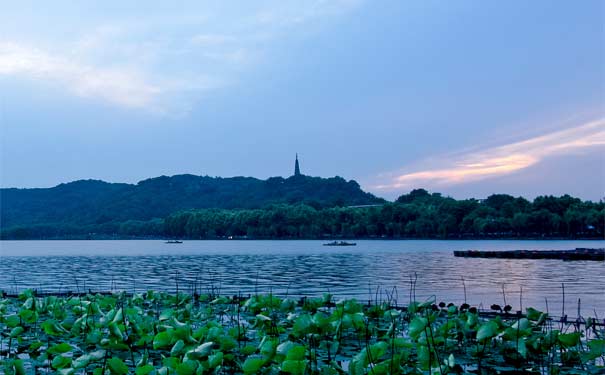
{"points": [[418, 214]]}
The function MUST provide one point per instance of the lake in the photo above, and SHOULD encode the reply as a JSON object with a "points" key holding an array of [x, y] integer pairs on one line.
{"points": [[306, 268]]}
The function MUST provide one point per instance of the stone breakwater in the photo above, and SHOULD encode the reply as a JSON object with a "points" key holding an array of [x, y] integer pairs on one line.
{"points": [[576, 254]]}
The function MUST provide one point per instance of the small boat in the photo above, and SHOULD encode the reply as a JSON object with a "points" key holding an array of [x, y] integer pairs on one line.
{"points": [[340, 243], [174, 241]]}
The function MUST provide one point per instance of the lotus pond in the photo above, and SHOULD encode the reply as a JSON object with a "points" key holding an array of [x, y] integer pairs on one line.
{"points": [[159, 333]]}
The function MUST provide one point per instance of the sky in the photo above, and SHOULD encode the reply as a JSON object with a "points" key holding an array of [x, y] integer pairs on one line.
{"points": [[466, 98]]}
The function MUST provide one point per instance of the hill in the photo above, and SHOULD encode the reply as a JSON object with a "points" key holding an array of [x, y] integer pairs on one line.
{"points": [[196, 207], [96, 203]]}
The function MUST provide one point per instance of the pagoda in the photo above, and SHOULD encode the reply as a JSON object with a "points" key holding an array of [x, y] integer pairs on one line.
{"points": [[296, 167]]}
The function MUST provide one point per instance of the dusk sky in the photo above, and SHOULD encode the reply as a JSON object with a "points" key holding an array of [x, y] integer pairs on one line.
{"points": [[466, 98]]}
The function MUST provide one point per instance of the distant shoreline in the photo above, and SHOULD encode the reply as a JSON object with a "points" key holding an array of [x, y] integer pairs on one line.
{"points": [[103, 238], [298, 207]]}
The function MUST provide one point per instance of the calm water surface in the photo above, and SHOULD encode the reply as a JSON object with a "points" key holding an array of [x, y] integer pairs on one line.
{"points": [[308, 268]]}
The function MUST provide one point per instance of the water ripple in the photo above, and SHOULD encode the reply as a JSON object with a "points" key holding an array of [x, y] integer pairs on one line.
{"points": [[307, 268]]}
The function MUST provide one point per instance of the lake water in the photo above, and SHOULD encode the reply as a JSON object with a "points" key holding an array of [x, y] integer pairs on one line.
{"points": [[307, 268]]}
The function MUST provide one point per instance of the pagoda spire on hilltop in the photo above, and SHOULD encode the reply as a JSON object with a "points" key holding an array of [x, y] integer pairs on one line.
{"points": [[296, 166]]}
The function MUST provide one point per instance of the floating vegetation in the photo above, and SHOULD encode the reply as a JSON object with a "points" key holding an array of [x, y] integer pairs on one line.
{"points": [[159, 333]]}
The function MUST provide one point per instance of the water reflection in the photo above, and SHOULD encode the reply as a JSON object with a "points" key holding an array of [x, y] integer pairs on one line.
{"points": [[307, 268]]}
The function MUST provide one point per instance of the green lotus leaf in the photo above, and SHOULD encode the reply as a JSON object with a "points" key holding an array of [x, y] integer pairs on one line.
{"points": [[303, 324], [16, 332], [417, 326], [118, 317], [283, 348], [34, 346], [215, 360], [17, 366], [171, 362], [12, 321], [377, 350], [81, 361], [186, 368], [60, 348], [248, 350], [263, 318], [144, 370], [522, 348], [597, 349], [162, 340], [294, 367], [177, 348], [61, 361], [166, 314], [296, 353], [252, 365], [117, 366], [52, 328], [227, 343], [97, 355], [569, 340], [26, 315], [267, 347], [487, 331], [201, 351]]}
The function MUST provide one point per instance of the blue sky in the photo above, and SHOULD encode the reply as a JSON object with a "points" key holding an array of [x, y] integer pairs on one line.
{"points": [[467, 98]]}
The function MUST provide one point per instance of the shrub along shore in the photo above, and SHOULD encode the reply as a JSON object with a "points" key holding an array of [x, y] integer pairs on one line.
{"points": [[183, 333]]}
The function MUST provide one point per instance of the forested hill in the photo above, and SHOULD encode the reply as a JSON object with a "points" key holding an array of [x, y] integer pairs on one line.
{"points": [[93, 202], [187, 206]]}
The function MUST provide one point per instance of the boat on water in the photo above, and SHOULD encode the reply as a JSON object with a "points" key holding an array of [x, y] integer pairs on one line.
{"points": [[340, 243], [174, 241]]}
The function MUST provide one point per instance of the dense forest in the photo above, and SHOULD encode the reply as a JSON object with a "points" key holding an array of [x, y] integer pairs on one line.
{"points": [[418, 214], [92, 203], [414, 215]]}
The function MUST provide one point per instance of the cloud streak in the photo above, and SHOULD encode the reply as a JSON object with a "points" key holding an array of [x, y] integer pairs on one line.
{"points": [[164, 62], [500, 160], [124, 87]]}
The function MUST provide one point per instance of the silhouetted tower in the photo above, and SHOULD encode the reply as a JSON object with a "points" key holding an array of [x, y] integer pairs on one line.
{"points": [[296, 167]]}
